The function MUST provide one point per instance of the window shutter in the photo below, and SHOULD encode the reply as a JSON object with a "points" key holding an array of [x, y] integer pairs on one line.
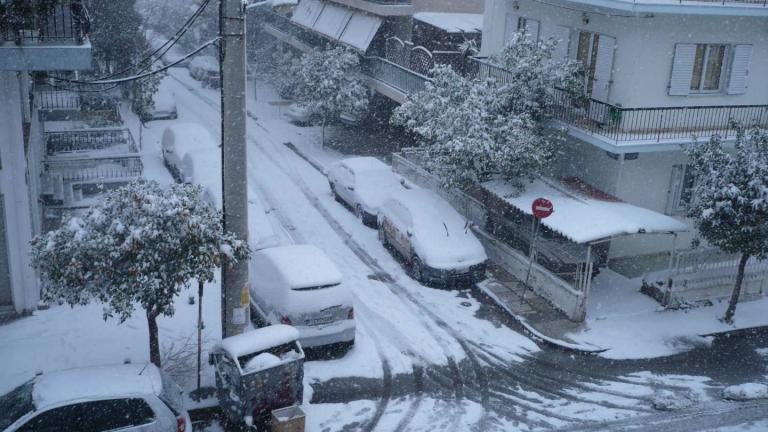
{"points": [[563, 37], [603, 67], [682, 69], [675, 186], [532, 27], [737, 83], [510, 27]]}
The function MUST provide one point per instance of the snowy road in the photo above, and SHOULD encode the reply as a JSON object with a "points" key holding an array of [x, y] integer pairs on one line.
{"points": [[424, 359]]}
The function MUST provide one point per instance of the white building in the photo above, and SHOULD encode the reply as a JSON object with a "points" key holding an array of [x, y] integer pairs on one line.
{"points": [[659, 72], [38, 45]]}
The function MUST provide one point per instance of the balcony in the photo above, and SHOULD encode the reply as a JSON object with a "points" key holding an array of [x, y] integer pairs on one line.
{"points": [[51, 36], [392, 79], [380, 7], [613, 127], [689, 7], [282, 28]]}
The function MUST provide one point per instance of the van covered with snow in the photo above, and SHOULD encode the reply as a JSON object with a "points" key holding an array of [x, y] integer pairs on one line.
{"points": [[300, 286]]}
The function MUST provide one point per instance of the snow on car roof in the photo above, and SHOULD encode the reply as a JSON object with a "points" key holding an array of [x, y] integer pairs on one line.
{"points": [[190, 136], [452, 22], [426, 207], [302, 266], [258, 340], [365, 163], [206, 62], [96, 383], [583, 218]]}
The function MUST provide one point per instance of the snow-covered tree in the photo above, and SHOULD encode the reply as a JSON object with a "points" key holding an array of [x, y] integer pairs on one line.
{"points": [[329, 84], [474, 129], [286, 68], [139, 246], [730, 198]]}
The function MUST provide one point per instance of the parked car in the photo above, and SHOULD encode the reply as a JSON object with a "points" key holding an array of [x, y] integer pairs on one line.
{"points": [[363, 184], [299, 285], [436, 242], [127, 397], [178, 141], [164, 108], [206, 70], [258, 371], [301, 115]]}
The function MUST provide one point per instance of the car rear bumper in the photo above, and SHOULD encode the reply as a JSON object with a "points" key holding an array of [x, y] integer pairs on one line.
{"points": [[370, 219], [338, 332]]}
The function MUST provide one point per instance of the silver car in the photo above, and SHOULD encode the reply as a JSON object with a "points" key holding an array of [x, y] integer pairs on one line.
{"points": [[128, 397]]}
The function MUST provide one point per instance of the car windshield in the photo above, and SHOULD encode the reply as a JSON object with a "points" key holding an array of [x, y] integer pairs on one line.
{"points": [[15, 404], [317, 287]]}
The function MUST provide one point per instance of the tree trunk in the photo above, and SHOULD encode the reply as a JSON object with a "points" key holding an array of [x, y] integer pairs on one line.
{"points": [[154, 343], [736, 290]]}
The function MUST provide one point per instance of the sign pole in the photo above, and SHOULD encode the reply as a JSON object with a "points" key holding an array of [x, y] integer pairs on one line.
{"points": [[540, 209]]}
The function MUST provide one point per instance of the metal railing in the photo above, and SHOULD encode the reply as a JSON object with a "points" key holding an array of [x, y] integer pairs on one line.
{"points": [[88, 140], [762, 3], [394, 75], [617, 123], [284, 24], [57, 100], [33, 22], [95, 168]]}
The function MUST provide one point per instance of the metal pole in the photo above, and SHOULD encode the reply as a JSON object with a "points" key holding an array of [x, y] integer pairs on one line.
{"points": [[534, 232], [235, 300], [199, 329]]}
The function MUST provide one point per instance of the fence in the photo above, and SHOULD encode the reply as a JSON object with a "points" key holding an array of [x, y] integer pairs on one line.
{"points": [[98, 168], [57, 100], [88, 140], [29, 22], [567, 295], [394, 75]]}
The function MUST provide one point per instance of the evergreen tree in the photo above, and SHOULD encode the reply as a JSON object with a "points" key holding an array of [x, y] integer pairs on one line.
{"points": [[730, 198], [474, 129], [139, 246], [329, 84]]}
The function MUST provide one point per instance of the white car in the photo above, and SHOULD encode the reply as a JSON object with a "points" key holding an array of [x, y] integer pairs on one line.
{"points": [[299, 285], [127, 397], [363, 184], [180, 140], [206, 70], [301, 115], [164, 108], [437, 244]]}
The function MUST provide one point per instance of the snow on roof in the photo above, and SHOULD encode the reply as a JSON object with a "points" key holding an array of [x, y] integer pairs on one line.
{"points": [[96, 382], [302, 266], [583, 219], [258, 340], [452, 22]]}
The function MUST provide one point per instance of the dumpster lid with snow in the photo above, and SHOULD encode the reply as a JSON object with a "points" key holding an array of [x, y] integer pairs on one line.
{"points": [[257, 340], [583, 217]]}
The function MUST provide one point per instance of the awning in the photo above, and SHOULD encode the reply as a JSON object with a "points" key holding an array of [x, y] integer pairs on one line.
{"points": [[452, 22], [583, 218], [350, 27]]}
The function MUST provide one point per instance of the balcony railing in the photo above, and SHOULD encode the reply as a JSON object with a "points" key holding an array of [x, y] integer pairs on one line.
{"points": [[285, 25], [98, 168], [89, 140], [394, 75], [763, 3], [34, 22], [655, 124]]}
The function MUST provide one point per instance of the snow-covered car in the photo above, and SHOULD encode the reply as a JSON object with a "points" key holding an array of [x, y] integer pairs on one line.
{"points": [[437, 244], [180, 140], [363, 184], [164, 109], [126, 397], [206, 70], [299, 285], [301, 115]]}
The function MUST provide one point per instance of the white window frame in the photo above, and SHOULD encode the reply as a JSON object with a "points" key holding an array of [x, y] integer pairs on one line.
{"points": [[523, 24], [683, 182], [724, 68]]}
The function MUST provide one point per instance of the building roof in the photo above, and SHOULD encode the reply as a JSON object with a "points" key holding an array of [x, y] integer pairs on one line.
{"points": [[583, 218], [452, 22]]}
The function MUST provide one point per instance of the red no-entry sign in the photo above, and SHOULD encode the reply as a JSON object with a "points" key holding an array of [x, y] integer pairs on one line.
{"points": [[542, 208]]}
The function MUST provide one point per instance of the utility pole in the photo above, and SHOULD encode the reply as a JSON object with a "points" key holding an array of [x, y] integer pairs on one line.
{"points": [[235, 304]]}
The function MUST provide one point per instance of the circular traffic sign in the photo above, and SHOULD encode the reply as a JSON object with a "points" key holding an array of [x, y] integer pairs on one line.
{"points": [[542, 208]]}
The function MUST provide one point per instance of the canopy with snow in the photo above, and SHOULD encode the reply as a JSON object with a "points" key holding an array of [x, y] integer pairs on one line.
{"points": [[583, 218], [350, 27], [452, 22]]}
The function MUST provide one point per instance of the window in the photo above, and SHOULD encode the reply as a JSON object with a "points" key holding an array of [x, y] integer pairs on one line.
{"points": [[708, 68], [681, 189], [529, 26], [96, 416]]}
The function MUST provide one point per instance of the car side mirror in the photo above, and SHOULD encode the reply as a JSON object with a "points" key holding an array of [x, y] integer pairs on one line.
{"points": [[351, 188]]}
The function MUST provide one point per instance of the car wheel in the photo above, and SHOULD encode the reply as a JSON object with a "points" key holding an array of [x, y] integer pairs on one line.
{"points": [[417, 268], [359, 213]]}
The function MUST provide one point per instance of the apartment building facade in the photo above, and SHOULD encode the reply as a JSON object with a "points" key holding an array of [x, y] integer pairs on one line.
{"points": [[660, 76], [54, 40]]}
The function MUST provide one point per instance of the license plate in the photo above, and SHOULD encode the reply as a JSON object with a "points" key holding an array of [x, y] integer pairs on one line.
{"points": [[319, 321]]}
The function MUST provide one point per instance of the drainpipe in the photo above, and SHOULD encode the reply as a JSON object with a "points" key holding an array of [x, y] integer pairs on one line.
{"points": [[668, 293]]}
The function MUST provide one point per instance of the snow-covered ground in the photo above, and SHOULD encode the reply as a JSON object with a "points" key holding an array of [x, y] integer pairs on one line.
{"points": [[631, 325]]}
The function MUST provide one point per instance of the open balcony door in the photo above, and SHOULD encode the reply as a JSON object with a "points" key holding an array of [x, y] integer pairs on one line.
{"points": [[601, 76]]}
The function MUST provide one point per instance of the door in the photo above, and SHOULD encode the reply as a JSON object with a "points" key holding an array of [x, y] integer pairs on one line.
{"points": [[595, 53], [6, 298]]}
